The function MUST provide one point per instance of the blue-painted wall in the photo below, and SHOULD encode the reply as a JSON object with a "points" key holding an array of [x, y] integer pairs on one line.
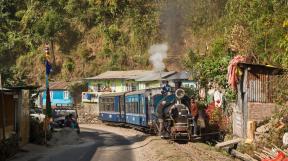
{"points": [[57, 98]]}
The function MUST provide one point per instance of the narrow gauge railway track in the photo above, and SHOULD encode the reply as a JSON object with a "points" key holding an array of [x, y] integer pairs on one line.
{"points": [[198, 154]]}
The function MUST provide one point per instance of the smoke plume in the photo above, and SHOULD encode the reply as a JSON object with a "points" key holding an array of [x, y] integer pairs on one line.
{"points": [[172, 22], [158, 53]]}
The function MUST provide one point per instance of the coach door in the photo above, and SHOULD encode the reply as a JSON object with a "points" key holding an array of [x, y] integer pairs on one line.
{"points": [[122, 108]]}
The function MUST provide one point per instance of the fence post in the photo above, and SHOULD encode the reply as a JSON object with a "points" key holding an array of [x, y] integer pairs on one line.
{"points": [[2, 109]]}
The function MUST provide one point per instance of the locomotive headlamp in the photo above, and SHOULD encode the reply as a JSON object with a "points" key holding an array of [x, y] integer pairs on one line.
{"points": [[179, 93], [163, 102]]}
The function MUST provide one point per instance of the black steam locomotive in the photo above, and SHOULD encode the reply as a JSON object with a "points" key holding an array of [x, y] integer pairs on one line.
{"points": [[176, 121]]}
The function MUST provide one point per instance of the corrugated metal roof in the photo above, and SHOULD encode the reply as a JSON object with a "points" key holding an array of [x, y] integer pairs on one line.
{"points": [[130, 74], [57, 85], [178, 76], [260, 66], [154, 76]]}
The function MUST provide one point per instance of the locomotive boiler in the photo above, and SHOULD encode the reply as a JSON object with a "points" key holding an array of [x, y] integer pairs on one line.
{"points": [[177, 118]]}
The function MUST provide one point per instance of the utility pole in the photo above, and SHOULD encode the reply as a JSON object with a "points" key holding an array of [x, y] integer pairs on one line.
{"points": [[48, 102], [3, 108]]}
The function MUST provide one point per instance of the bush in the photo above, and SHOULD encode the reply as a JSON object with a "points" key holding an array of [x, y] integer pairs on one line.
{"points": [[37, 134]]}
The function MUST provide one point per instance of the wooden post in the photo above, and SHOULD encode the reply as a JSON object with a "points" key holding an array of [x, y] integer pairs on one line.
{"points": [[3, 108], [251, 127]]}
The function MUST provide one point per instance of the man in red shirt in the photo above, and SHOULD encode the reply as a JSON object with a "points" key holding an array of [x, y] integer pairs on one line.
{"points": [[194, 113]]}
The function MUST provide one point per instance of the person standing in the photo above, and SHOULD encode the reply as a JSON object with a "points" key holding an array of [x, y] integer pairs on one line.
{"points": [[194, 113]]}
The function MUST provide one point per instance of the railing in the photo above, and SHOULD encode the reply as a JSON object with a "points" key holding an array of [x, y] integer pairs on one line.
{"points": [[92, 96]]}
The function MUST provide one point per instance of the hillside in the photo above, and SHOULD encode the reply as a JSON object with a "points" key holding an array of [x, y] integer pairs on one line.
{"points": [[88, 37]]}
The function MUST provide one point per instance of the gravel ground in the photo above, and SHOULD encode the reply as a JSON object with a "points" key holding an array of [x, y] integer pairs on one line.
{"points": [[152, 148]]}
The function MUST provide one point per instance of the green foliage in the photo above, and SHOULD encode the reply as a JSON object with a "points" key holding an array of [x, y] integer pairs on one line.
{"points": [[230, 95], [116, 34], [124, 31], [263, 20], [76, 89], [69, 65], [210, 68]]}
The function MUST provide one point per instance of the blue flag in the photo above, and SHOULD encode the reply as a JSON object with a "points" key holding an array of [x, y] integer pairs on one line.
{"points": [[48, 67]]}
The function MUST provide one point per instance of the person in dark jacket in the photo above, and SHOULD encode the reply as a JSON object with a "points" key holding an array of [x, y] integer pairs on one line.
{"points": [[160, 112], [194, 112]]}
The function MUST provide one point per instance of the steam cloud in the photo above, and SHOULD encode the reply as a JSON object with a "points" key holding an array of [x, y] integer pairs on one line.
{"points": [[158, 53]]}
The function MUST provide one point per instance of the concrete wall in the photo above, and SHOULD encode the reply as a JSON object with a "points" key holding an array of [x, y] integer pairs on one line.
{"points": [[260, 111], [24, 121]]}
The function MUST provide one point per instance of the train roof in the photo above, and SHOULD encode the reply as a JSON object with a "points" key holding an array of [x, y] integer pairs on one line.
{"points": [[113, 94], [143, 91], [136, 92]]}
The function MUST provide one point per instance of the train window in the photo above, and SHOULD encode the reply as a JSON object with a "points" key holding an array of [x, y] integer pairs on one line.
{"points": [[131, 107], [128, 107], [121, 104], [104, 107], [138, 107], [134, 107]]}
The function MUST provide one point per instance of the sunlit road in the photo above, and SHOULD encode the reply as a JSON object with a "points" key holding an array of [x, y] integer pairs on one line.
{"points": [[98, 146]]}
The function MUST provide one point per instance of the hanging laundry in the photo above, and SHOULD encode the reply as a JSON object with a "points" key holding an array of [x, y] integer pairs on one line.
{"points": [[218, 98], [233, 70]]}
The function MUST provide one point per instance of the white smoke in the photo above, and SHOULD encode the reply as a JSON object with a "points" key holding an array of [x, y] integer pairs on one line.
{"points": [[158, 53]]}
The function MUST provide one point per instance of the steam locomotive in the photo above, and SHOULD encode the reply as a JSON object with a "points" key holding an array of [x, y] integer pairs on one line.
{"points": [[168, 115]]}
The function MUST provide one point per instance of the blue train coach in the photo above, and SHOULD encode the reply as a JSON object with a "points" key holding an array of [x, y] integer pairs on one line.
{"points": [[111, 107], [140, 106]]}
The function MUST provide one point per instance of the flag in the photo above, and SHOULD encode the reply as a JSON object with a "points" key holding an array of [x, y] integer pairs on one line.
{"points": [[48, 67]]}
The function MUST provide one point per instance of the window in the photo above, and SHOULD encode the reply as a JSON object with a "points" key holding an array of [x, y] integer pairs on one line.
{"points": [[51, 95], [66, 94], [113, 87], [133, 87]]}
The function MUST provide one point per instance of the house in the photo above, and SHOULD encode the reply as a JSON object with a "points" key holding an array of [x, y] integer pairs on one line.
{"points": [[122, 81], [59, 95], [255, 96], [14, 117]]}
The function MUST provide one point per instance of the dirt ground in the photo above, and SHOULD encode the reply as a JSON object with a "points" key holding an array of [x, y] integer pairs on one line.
{"points": [[152, 148]]}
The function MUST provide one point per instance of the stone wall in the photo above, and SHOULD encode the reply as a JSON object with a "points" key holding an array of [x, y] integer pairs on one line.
{"points": [[260, 111], [88, 113]]}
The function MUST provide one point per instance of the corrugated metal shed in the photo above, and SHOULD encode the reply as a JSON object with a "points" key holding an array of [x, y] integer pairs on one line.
{"points": [[259, 82]]}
